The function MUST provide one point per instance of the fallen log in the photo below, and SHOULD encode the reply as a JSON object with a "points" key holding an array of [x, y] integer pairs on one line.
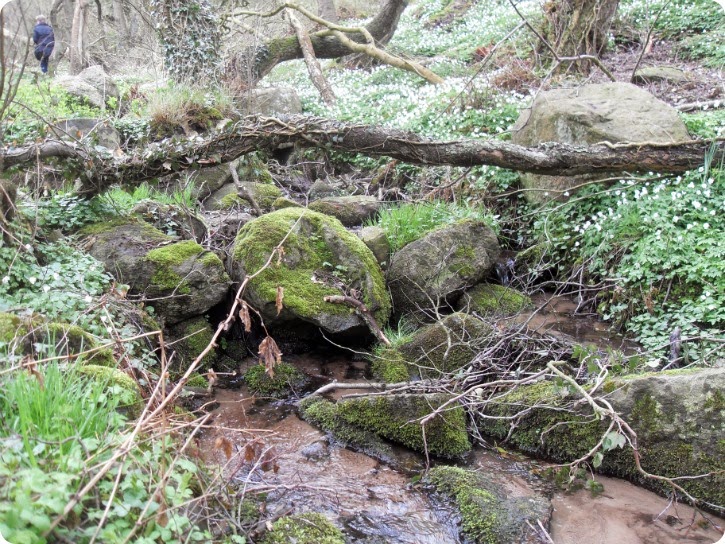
{"points": [[97, 171]]}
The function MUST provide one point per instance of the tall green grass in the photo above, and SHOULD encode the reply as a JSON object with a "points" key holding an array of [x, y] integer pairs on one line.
{"points": [[408, 222]]}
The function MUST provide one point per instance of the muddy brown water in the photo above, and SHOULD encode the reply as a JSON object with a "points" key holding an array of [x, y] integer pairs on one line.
{"points": [[263, 446]]}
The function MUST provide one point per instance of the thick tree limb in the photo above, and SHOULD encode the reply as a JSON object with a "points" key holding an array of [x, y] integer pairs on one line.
{"points": [[255, 133], [258, 60]]}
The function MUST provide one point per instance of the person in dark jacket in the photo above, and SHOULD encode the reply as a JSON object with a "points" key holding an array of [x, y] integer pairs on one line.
{"points": [[44, 41]]}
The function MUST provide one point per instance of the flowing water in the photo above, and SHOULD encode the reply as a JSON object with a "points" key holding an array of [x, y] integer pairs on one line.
{"points": [[265, 446]]}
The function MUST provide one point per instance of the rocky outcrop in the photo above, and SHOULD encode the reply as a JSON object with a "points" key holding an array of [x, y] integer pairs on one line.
{"points": [[679, 418], [179, 279], [590, 114], [320, 258], [95, 131], [434, 270], [352, 211]]}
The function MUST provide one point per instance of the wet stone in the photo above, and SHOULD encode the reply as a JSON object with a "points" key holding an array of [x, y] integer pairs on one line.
{"points": [[316, 451]]}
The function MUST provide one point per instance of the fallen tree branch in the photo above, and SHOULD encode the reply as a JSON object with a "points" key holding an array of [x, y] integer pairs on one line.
{"points": [[97, 171]]}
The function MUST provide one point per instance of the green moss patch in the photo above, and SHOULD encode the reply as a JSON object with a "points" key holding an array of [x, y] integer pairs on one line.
{"points": [[287, 380], [308, 528], [493, 300], [487, 517], [191, 338], [173, 255], [395, 418], [119, 382], [390, 366]]}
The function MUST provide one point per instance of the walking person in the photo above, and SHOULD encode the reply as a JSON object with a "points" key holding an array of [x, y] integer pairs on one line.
{"points": [[44, 41]]}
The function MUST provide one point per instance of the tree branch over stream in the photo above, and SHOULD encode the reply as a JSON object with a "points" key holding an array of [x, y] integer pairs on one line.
{"points": [[99, 170]]}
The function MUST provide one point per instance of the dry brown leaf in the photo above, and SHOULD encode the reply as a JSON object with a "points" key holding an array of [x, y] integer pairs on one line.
{"points": [[224, 444], [245, 317], [212, 378], [269, 355], [32, 367], [280, 299], [280, 255]]}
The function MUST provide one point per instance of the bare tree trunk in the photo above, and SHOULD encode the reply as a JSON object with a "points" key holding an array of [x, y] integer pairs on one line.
{"points": [[78, 35], [121, 25], [580, 27], [326, 10], [267, 134]]}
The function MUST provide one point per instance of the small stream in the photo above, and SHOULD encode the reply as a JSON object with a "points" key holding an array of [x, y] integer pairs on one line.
{"points": [[265, 446]]}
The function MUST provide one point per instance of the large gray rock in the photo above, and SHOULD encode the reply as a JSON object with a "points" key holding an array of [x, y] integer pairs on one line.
{"points": [[271, 101], [92, 84], [320, 259], [434, 270], [179, 279], [678, 416], [590, 114], [352, 211], [80, 89], [97, 78], [377, 241]]}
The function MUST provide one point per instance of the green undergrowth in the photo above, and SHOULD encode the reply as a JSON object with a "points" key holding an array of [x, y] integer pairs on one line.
{"points": [[658, 242], [58, 426]]}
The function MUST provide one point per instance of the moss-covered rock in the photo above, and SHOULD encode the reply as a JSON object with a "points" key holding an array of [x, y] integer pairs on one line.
{"points": [[287, 380], [394, 418], [446, 346], [487, 516], [678, 418], [320, 259], [26, 335], [308, 528], [188, 339], [283, 202], [352, 211], [491, 300], [433, 271], [389, 365], [172, 219], [197, 380], [251, 167], [182, 278]]}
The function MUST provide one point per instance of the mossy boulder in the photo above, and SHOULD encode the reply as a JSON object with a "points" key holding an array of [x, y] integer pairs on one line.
{"points": [[307, 528], [588, 115], [225, 198], [352, 211], [679, 418], [180, 279], [492, 300], [31, 335], [287, 380], [434, 270], [264, 194], [394, 417], [377, 241], [487, 515], [188, 339], [389, 365], [446, 346], [320, 259]]}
